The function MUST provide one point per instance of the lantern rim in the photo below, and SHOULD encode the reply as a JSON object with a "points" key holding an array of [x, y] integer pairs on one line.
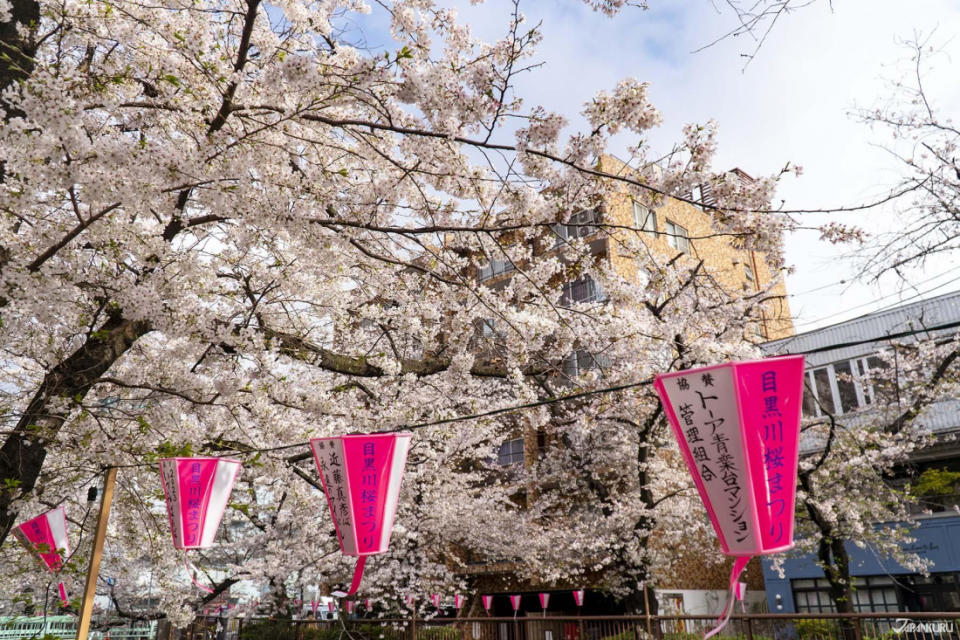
{"points": [[200, 458], [361, 434]]}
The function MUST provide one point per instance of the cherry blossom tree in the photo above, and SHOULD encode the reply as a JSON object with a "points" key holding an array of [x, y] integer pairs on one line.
{"points": [[861, 475], [228, 227]]}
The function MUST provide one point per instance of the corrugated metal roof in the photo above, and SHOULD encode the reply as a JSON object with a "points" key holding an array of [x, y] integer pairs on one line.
{"points": [[877, 325], [940, 417]]}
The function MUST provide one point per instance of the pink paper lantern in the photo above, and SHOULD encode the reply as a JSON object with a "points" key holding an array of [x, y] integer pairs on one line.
{"points": [[435, 599], [409, 599], [361, 477], [578, 597], [314, 604], [368, 604], [738, 427], [46, 537], [331, 606], [515, 602], [487, 603], [544, 600], [197, 491], [349, 605], [458, 602]]}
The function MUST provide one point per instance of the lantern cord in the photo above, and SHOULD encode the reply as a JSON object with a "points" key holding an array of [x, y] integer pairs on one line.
{"points": [[738, 566], [357, 578], [192, 572]]}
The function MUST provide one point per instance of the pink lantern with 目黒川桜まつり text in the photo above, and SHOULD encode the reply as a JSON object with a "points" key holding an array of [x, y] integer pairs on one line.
{"points": [[738, 427], [197, 491], [361, 475]]}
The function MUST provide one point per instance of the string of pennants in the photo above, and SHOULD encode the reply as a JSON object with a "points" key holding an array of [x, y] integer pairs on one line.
{"points": [[737, 426], [438, 601]]}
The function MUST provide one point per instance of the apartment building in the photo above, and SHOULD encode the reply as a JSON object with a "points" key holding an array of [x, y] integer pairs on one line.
{"points": [[838, 359], [673, 230]]}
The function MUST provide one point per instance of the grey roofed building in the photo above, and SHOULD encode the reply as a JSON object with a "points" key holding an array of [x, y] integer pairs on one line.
{"points": [[851, 348]]}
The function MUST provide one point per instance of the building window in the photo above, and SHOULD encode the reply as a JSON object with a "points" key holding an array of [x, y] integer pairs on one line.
{"points": [[583, 289], [511, 452], [871, 594], [580, 225], [677, 236], [644, 219], [841, 387], [582, 361], [696, 194], [495, 268]]}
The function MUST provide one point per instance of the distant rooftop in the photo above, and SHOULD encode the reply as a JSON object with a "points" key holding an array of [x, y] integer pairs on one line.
{"points": [[875, 326]]}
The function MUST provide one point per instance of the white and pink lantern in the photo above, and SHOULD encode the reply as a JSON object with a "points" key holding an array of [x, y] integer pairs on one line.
{"points": [[738, 427], [331, 606], [515, 603], [361, 476], [578, 597], [349, 606], [409, 599], [458, 602], [368, 604], [487, 603], [435, 599], [197, 492], [544, 600], [314, 604], [46, 537]]}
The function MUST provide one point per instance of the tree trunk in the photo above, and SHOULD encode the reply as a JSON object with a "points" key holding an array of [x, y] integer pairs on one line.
{"points": [[836, 568], [23, 452], [18, 48]]}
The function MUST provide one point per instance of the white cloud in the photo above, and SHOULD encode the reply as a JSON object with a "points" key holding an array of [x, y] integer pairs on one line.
{"points": [[791, 103]]}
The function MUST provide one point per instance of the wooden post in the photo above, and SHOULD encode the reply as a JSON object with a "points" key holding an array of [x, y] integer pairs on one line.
{"points": [[86, 609], [646, 609]]}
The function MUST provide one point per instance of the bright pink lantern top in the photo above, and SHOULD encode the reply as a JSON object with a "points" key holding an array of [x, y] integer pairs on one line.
{"points": [[197, 491], [46, 537], [361, 475], [738, 427]]}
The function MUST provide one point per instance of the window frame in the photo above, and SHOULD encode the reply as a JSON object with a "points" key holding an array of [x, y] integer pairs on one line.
{"points": [[678, 236], [510, 455], [864, 392], [648, 224]]}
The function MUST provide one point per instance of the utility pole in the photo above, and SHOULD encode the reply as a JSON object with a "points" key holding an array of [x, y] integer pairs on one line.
{"points": [[90, 590]]}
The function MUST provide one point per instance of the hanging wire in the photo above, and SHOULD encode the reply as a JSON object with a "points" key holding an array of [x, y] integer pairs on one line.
{"points": [[556, 399]]}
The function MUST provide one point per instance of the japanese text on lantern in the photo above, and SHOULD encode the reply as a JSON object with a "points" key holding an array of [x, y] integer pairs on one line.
{"points": [[171, 490], [705, 405], [193, 490], [367, 519], [330, 460], [773, 454]]}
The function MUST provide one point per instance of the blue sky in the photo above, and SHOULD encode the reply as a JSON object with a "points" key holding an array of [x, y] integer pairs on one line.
{"points": [[791, 103]]}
